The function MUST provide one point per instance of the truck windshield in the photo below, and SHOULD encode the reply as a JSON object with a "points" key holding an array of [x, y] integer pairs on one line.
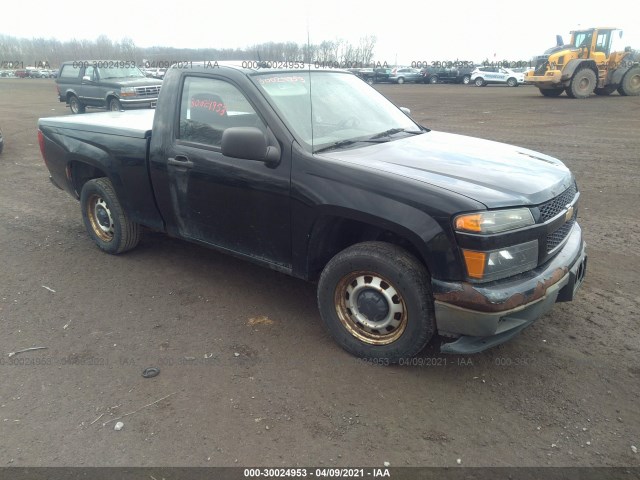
{"points": [[118, 72], [326, 109]]}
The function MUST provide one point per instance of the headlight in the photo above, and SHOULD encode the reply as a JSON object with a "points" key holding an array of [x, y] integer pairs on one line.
{"points": [[493, 221], [501, 263], [127, 92]]}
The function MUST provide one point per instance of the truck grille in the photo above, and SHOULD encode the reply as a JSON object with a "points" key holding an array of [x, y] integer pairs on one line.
{"points": [[149, 91], [554, 206], [541, 64], [555, 238]]}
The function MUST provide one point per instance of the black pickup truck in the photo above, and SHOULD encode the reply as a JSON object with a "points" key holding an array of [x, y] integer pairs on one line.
{"points": [[408, 232]]}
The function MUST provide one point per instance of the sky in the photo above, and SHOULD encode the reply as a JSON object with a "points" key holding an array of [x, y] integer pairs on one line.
{"points": [[406, 30]]}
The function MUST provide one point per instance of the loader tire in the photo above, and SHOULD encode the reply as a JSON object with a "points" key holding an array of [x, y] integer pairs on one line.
{"points": [[630, 86], [582, 84]]}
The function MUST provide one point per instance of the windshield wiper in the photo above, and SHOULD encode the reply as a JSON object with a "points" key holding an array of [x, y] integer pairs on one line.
{"points": [[393, 131], [346, 143]]}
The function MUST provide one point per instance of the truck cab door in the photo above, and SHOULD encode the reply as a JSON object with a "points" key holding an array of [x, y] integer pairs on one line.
{"points": [[235, 204]]}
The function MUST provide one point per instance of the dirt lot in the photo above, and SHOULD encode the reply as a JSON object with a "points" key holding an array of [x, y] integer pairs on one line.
{"points": [[255, 380]]}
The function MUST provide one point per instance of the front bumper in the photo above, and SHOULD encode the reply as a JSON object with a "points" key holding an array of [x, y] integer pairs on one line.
{"points": [[486, 315], [138, 102], [550, 78]]}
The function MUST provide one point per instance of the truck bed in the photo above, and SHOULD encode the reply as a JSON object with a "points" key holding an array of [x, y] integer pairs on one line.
{"points": [[134, 123]]}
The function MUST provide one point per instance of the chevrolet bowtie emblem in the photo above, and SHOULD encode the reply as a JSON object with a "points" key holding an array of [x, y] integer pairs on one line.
{"points": [[569, 214]]}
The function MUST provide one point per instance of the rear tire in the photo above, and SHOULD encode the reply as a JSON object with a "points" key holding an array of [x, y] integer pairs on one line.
{"points": [[630, 85], [466, 80], [551, 92], [433, 79], [582, 84], [400, 81], [105, 220], [375, 299], [75, 105]]}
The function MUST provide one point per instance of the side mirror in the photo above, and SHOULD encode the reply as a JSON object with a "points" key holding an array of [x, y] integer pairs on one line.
{"points": [[248, 143], [86, 78], [405, 110]]}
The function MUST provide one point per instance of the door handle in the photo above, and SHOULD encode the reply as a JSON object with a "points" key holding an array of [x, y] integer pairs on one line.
{"points": [[180, 161]]}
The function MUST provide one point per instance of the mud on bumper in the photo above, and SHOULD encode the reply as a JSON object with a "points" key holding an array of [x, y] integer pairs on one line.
{"points": [[483, 316]]}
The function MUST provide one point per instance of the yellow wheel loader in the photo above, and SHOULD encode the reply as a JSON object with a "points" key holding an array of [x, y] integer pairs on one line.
{"points": [[586, 65]]}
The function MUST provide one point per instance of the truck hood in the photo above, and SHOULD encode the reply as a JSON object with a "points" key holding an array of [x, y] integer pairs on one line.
{"points": [[495, 174]]}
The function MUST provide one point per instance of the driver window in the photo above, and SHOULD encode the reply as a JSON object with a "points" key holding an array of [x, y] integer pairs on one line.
{"points": [[209, 106], [90, 72]]}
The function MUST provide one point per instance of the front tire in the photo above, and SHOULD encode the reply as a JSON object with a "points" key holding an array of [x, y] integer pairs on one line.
{"points": [[433, 79], [114, 105], [582, 84], [375, 299], [105, 220], [512, 82], [479, 82], [466, 80], [400, 81], [75, 105]]}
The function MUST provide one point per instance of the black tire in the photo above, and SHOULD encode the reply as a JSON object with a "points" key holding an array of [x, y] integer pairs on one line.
{"points": [[466, 79], [105, 220], [630, 85], [75, 105], [114, 105], [582, 84], [433, 79], [512, 82], [370, 81], [479, 82], [604, 91], [398, 291], [551, 92], [400, 80]]}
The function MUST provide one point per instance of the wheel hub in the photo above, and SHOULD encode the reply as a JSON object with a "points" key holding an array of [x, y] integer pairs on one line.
{"points": [[372, 305], [103, 217]]}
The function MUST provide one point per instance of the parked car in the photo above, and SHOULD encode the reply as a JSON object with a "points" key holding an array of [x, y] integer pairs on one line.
{"points": [[406, 231], [373, 75], [105, 84], [22, 73], [483, 76], [405, 75], [447, 74]]}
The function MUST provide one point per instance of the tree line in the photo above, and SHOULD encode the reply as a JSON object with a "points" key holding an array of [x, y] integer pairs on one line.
{"points": [[52, 52]]}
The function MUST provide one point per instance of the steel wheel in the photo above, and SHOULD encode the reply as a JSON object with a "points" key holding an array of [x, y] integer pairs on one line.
{"points": [[104, 218], [100, 218], [376, 301], [370, 308]]}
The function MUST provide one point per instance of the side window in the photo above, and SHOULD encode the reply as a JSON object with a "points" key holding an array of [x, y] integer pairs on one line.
{"points": [[69, 71], [209, 106], [602, 42], [90, 72]]}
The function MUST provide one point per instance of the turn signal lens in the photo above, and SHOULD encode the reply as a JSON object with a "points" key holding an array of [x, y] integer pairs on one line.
{"points": [[475, 263]]}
